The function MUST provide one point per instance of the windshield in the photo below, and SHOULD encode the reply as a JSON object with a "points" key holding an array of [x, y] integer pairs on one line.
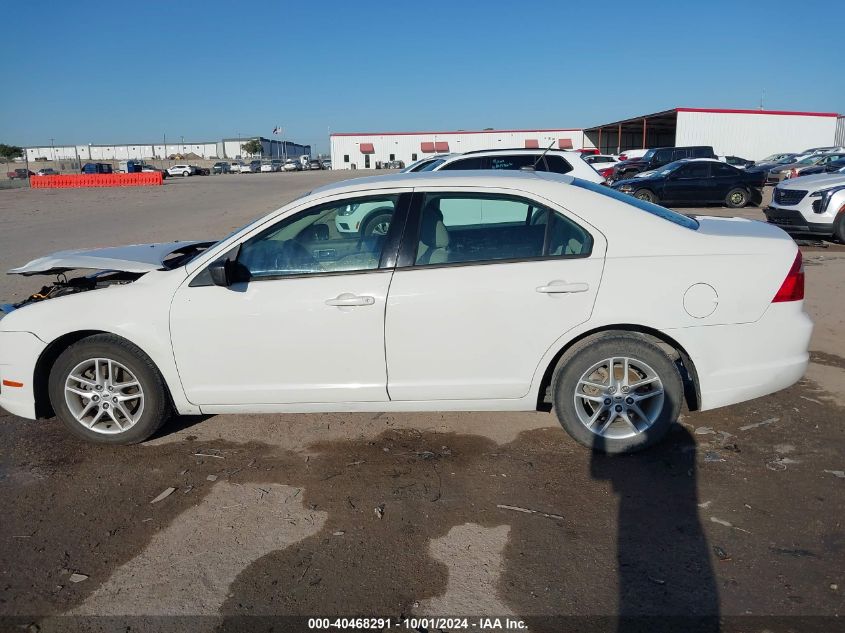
{"points": [[785, 160], [661, 171], [647, 156], [648, 207]]}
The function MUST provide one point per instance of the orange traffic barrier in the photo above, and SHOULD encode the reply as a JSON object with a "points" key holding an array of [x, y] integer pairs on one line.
{"points": [[73, 181]]}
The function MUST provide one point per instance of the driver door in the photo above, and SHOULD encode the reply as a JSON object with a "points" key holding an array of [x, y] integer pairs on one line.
{"points": [[303, 320]]}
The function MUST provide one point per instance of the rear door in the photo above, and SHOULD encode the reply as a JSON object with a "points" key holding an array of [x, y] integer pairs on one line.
{"points": [[723, 179], [688, 183], [472, 308]]}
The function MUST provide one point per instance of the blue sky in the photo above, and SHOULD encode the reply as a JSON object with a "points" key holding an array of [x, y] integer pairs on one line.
{"points": [[99, 72]]}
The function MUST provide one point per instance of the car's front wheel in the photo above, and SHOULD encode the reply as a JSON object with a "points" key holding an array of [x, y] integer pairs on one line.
{"points": [[186, 173], [107, 390], [736, 198], [617, 393]]}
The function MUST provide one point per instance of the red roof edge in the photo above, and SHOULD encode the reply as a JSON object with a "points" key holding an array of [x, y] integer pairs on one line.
{"points": [[573, 129], [776, 112]]}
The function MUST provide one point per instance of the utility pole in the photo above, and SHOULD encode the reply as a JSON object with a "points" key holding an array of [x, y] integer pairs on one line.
{"points": [[53, 147]]}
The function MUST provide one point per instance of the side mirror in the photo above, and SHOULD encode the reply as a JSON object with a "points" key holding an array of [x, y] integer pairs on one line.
{"points": [[219, 271]]}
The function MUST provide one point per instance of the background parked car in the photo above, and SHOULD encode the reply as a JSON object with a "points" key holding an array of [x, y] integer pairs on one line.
{"points": [[657, 157], [180, 170], [736, 161], [235, 167], [152, 169], [810, 205], [832, 167], [291, 165], [221, 168], [315, 164], [555, 161], [97, 168], [695, 181], [327, 164], [277, 164], [819, 160], [19, 174], [631, 154], [266, 167], [780, 171], [47, 171]]}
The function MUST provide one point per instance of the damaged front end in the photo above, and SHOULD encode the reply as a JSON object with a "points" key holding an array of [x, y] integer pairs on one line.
{"points": [[63, 286], [112, 266]]}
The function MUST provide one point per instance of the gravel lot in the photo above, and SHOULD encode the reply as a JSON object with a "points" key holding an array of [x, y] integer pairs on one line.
{"points": [[739, 513]]}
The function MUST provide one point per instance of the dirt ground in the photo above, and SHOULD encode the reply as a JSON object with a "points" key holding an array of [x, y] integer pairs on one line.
{"points": [[738, 516]]}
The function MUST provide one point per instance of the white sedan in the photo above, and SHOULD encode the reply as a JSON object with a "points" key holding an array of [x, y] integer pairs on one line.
{"points": [[556, 291]]}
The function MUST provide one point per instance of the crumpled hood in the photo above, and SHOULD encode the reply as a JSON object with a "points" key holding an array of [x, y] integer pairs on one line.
{"points": [[136, 258]]}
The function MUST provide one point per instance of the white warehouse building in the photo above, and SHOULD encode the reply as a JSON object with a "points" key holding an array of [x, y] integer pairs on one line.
{"points": [[225, 148], [367, 150], [751, 134]]}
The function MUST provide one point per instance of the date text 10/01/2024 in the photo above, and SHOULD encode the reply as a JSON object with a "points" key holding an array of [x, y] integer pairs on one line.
{"points": [[415, 624]]}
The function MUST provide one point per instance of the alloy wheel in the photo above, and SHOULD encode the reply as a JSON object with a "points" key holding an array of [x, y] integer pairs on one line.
{"points": [[104, 396], [619, 397]]}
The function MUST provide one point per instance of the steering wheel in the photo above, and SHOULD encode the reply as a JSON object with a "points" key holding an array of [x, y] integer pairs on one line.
{"points": [[293, 256]]}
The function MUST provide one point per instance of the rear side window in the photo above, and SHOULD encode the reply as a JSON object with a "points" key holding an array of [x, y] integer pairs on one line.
{"points": [[463, 228], [557, 164], [663, 157], [648, 207], [723, 170], [702, 152]]}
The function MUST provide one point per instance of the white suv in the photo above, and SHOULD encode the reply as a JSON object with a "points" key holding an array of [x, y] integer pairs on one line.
{"points": [[369, 220], [181, 170], [812, 204], [556, 161]]}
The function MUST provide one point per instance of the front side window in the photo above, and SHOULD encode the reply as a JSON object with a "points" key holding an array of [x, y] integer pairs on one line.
{"points": [[476, 162], [462, 228], [335, 237]]}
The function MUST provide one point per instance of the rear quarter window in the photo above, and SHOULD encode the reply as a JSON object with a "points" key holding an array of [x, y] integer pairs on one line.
{"points": [[649, 207]]}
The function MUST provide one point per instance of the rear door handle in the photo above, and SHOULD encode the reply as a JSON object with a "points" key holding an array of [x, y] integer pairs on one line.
{"points": [[560, 287], [348, 299]]}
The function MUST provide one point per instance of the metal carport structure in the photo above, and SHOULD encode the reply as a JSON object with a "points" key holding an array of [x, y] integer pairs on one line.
{"points": [[650, 130]]}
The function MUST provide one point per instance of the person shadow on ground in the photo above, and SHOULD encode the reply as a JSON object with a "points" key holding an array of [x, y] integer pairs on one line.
{"points": [[666, 580]]}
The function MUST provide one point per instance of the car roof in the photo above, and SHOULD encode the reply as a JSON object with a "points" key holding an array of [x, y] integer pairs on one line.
{"points": [[469, 177], [529, 150]]}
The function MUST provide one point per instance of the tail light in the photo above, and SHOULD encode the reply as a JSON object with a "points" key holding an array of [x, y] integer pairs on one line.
{"points": [[623, 157], [607, 172], [792, 288]]}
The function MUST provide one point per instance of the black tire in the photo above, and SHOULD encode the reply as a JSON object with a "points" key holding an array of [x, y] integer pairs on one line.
{"points": [[185, 174], [157, 408], [737, 198], [587, 353], [839, 227], [646, 194], [376, 222]]}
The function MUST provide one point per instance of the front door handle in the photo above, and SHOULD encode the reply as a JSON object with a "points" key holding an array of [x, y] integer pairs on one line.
{"points": [[560, 287], [348, 299]]}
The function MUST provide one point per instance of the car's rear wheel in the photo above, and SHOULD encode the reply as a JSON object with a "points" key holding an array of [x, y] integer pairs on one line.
{"points": [[617, 393], [736, 198], [107, 390], [645, 194]]}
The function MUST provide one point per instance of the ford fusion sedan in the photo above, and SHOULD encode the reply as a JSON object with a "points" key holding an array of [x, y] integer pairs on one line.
{"points": [[810, 205], [695, 181], [489, 291]]}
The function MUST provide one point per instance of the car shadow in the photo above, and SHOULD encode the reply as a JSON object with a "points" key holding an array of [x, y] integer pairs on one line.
{"points": [[666, 580]]}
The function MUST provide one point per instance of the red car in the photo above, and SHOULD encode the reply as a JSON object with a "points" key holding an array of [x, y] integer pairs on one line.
{"points": [[22, 174]]}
